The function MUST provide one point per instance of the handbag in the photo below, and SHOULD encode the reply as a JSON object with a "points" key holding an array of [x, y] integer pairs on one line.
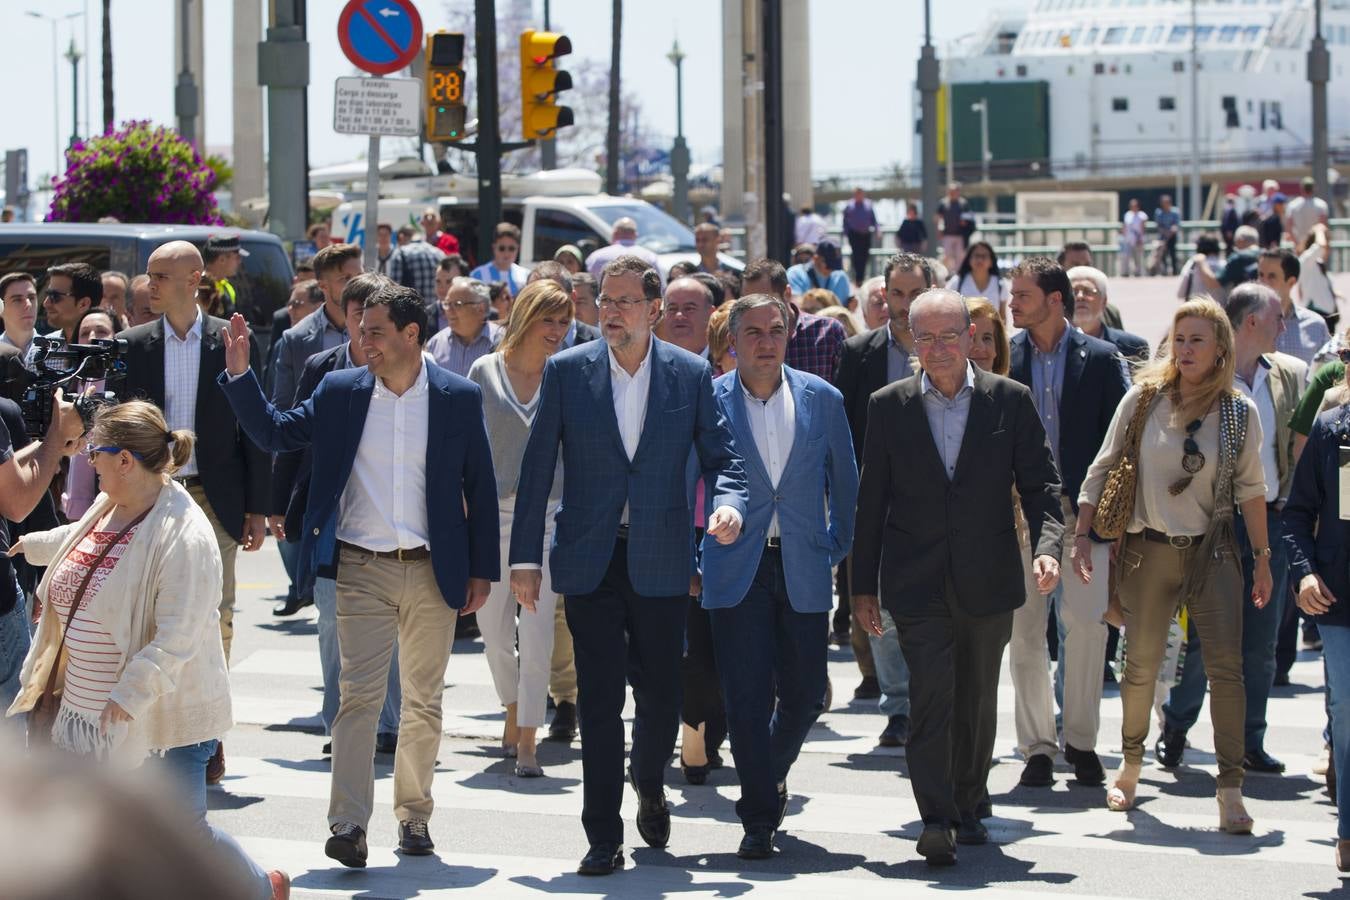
{"points": [[42, 717], [1115, 509]]}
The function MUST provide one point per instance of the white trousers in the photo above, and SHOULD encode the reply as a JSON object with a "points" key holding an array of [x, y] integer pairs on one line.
{"points": [[519, 678], [1082, 654]]}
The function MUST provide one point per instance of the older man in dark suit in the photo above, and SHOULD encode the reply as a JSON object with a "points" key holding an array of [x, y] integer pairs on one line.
{"points": [[943, 452]]}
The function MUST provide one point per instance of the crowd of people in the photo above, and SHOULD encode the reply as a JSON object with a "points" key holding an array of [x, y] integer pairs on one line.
{"points": [[688, 483]]}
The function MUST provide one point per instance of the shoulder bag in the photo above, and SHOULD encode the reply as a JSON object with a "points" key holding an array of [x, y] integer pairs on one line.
{"points": [[1115, 509]]}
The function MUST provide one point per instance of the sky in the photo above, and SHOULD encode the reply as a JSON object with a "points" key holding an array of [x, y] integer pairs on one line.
{"points": [[862, 57]]}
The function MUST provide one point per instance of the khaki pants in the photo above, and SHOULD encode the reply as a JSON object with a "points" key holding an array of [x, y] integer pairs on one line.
{"points": [[1151, 575], [229, 549], [378, 601], [562, 676], [1080, 608]]}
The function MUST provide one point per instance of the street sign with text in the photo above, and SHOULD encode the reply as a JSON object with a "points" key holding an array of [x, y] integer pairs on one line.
{"points": [[380, 36], [378, 106]]}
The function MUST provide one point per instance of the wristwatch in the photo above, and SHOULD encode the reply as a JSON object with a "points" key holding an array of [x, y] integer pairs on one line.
{"points": [[1263, 551]]}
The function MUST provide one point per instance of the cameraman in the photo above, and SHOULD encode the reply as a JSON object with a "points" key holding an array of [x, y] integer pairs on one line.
{"points": [[24, 477]]}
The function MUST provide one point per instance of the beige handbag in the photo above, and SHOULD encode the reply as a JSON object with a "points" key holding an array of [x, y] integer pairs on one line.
{"points": [[1115, 509]]}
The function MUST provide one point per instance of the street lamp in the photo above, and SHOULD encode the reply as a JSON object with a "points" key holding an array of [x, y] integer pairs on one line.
{"points": [[73, 55], [56, 61], [679, 154], [981, 106]]}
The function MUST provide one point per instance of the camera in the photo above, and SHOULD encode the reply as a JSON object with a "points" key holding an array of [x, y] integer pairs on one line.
{"points": [[71, 367]]}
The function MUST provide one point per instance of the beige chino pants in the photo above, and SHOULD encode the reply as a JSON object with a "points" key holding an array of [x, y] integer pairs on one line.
{"points": [[229, 549]]}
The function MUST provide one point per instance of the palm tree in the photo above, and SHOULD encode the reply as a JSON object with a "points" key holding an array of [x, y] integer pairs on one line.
{"points": [[107, 67], [612, 136]]}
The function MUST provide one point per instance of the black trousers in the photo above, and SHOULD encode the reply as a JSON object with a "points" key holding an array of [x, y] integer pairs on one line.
{"points": [[860, 243], [619, 634], [702, 688], [954, 661]]}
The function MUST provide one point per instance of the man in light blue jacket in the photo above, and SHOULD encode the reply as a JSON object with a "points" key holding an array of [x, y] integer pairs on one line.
{"points": [[769, 594]]}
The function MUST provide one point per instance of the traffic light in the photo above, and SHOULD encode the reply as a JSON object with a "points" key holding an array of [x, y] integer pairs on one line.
{"points": [[540, 83], [445, 86]]}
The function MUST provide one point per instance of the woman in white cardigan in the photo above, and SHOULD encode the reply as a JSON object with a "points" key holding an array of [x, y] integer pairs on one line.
{"points": [[140, 672]]}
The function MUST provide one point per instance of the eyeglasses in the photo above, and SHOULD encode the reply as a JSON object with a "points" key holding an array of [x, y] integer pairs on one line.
{"points": [[624, 304], [946, 339], [458, 304], [1192, 460], [57, 296], [90, 450], [506, 248]]}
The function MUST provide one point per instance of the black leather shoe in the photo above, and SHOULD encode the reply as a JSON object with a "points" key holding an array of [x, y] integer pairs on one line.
{"points": [[414, 839], [782, 805], [972, 831], [1170, 748], [328, 749], [937, 845], [1039, 771], [757, 844], [984, 809], [896, 733], [695, 774], [653, 817], [386, 743], [601, 859], [564, 726], [1281, 680], [347, 845], [867, 689], [1261, 761], [291, 605], [1087, 768]]}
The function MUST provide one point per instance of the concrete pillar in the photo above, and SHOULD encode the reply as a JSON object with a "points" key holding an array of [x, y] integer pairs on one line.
{"points": [[247, 97], [732, 205], [797, 103]]}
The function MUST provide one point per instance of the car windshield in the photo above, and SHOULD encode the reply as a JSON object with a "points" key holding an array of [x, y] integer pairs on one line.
{"points": [[657, 231]]}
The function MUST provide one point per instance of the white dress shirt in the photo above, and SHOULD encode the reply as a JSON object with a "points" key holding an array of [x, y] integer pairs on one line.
{"points": [[182, 366], [384, 506], [630, 404], [773, 424], [1259, 392]]}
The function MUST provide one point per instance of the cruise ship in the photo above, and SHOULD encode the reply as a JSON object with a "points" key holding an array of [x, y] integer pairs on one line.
{"points": [[1100, 91]]}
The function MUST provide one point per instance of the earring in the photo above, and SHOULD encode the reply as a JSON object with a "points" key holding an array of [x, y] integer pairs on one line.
{"points": [[1218, 363]]}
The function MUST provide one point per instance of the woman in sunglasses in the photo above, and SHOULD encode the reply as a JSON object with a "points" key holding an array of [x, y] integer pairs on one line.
{"points": [[1196, 447], [127, 665]]}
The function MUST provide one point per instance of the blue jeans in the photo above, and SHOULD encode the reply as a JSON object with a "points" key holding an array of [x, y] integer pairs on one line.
{"points": [[325, 601], [186, 767], [1259, 631], [892, 671], [290, 560], [15, 639], [1336, 653], [762, 643]]}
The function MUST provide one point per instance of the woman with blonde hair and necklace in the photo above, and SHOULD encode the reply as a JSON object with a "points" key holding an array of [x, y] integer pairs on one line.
{"points": [[510, 380], [1197, 450]]}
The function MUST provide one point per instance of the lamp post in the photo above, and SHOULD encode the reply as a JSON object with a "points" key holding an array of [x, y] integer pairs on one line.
{"points": [[56, 57], [679, 154], [981, 106], [1197, 200], [1319, 73], [185, 93], [73, 55], [929, 79]]}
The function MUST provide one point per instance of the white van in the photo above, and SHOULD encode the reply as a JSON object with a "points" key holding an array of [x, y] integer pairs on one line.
{"points": [[548, 207]]}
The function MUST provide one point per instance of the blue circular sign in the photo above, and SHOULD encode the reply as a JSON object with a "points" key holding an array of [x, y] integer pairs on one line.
{"points": [[380, 36]]}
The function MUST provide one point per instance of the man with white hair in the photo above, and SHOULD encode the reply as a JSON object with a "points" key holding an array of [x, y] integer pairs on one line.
{"points": [[872, 296], [1089, 313], [624, 243], [935, 530]]}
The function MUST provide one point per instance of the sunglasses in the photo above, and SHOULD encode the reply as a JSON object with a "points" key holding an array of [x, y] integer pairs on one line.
{"points": [[90, 450]]}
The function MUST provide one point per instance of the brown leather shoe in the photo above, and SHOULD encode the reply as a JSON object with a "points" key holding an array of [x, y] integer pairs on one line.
{"points": [[215, 767]]}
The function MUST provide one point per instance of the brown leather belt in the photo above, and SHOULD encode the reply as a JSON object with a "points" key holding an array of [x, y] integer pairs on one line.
{"points": [[1176, 541], [409, 554]]}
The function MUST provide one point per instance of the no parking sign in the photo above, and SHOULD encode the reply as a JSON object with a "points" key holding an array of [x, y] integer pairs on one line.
{"points": [[380, 36]]}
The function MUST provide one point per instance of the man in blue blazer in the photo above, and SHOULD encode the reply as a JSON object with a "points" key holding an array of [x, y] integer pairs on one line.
{"points": [[769, 594], [625, 413], [403, 502], [1076, 383]]}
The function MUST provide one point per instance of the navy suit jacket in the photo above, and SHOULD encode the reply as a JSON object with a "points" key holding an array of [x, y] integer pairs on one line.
{"points": [[1317, 539], [576, 415], [815, 499], [1131, 346], [461, 489], [297, 345], [1094, 383]]}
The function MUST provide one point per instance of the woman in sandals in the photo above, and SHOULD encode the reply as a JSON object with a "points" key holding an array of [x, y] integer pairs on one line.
{"points": [[127, 666], [1196, 442], [510, 379]]}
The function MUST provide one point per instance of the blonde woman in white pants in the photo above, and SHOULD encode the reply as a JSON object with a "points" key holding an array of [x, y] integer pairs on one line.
{"points": [[510, 379]]}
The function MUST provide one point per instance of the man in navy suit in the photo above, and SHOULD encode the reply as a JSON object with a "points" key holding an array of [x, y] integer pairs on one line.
{"points": [[1076, 383], [626, 414], [403, 502], [769, 594]]}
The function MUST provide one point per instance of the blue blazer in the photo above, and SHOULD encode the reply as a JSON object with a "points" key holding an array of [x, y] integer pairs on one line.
{"points": [[1317, 540], [1094, 384], [821, 469], [576, 415], [464, 544]]}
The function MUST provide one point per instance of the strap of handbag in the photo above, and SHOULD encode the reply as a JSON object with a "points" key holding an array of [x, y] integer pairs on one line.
{"points": [[76, 603], [1134, 433]]}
